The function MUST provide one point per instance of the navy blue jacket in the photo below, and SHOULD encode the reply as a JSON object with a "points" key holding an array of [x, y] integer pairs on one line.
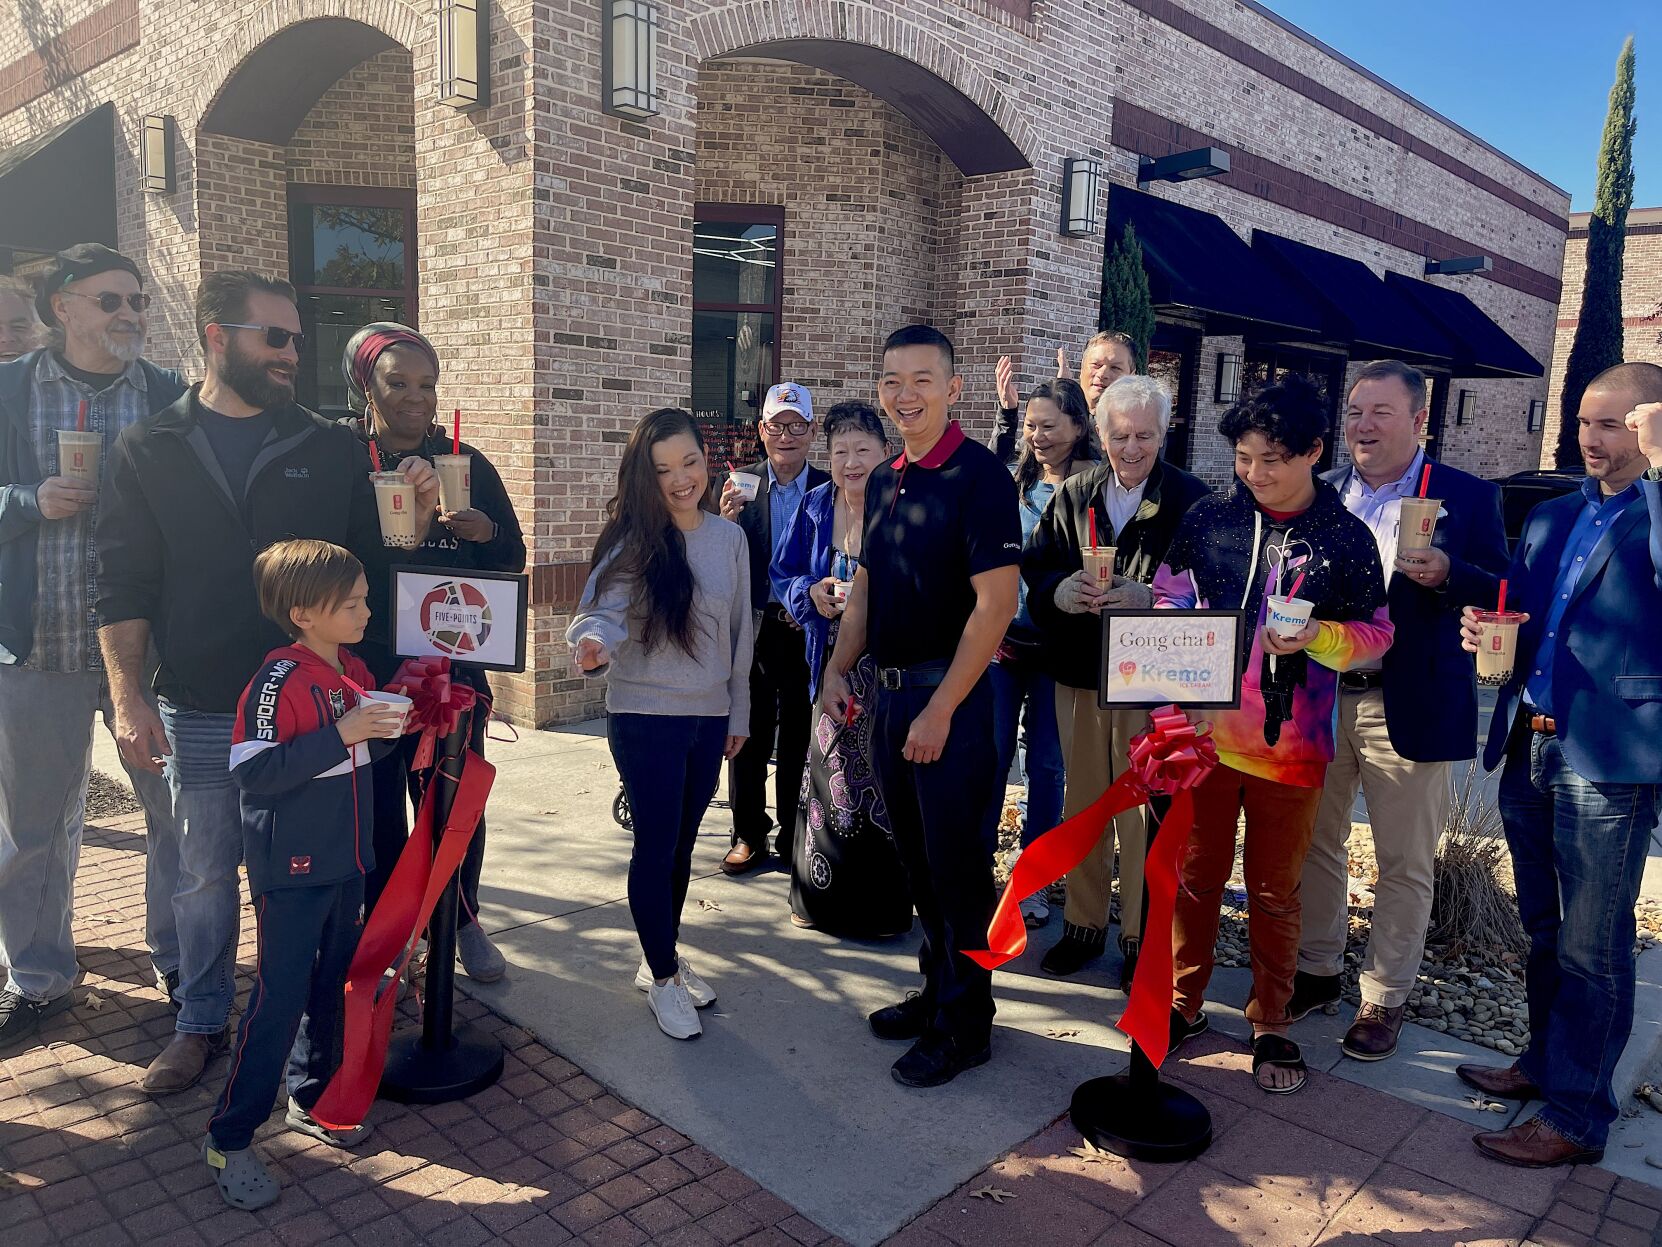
{"points": [[1430, 682], [1607, 668], [805, 560], [308, 810], [20, 477]]}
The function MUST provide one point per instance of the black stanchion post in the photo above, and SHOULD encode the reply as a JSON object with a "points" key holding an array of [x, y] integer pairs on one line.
{"points": [[439, 1061]]}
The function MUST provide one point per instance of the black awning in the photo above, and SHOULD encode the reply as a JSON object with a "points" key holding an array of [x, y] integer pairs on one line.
{"points": [[1357, 308], [1197, 266], [58, 188], [1481, 347]]}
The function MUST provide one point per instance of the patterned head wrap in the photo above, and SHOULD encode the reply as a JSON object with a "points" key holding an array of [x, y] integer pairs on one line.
{"points": [[365, 347]]}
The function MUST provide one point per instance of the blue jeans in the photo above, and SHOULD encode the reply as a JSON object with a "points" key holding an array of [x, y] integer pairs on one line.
{"points": [[1578, 853], [1022, 693], [669, 765], [206, 902]]}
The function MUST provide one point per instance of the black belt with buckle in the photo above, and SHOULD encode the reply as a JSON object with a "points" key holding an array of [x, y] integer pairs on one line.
{"points": [[1361, 681], [892, 678], [775, 611]]}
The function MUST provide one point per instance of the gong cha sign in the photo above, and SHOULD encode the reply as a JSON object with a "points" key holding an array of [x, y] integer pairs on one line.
{"points": [[473, 618], [1188, 658]]}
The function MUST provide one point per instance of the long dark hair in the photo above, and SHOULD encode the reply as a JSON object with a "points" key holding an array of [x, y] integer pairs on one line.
{"points": [[1070, 401], [647, 545]]}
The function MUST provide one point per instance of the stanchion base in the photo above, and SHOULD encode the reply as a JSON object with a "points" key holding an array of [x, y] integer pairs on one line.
{"points": [[417, 1074], [1155, 1121]]}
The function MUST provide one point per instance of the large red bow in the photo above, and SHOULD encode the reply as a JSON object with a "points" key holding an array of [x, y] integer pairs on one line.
{"points": [[1170, 758], [440, 702]]}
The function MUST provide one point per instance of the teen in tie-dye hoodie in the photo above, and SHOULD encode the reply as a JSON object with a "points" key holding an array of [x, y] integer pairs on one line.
{"points": [[1232, 552]]}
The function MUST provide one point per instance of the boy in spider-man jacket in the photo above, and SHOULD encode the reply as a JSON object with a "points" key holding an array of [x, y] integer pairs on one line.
{"points": [[301, 754]]}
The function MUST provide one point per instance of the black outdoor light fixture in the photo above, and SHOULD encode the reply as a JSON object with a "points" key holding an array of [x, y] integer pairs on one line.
{"points": [[1202, 162], [629, 58], [156, 153], [1081, 178], [1459, 264], [1229, 378], [464, 53]]}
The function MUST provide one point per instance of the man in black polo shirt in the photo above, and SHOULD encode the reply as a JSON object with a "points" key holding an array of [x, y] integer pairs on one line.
{"points": [[935, 591]]}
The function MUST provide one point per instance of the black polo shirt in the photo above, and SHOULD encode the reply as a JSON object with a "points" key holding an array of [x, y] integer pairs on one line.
{"points": [[930, 526]]}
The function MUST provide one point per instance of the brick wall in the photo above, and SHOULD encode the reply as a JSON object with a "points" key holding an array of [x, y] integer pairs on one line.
{"points": [[362, 132]]}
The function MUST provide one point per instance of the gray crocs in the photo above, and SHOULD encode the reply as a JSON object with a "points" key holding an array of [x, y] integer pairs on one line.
{"points": [[243, 1180], [299, 1119]]}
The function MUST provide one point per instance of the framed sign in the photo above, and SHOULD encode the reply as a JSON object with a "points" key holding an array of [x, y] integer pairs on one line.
{"points": [[1188, 658], [475, 619]]}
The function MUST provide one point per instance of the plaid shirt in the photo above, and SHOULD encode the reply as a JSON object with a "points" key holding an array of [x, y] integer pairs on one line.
{"points": [[66, 624]]}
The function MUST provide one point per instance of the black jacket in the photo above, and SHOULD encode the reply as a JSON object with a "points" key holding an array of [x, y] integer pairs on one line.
{"points": [[756, 518], [174, 547], [1073, 643]]}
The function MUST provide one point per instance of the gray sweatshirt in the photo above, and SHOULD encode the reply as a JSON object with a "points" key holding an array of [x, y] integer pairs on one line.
{"points": [[715, 678]]}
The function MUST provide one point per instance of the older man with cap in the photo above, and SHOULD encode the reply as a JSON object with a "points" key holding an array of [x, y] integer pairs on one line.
{"points": [[779, 700], [51, 673]]}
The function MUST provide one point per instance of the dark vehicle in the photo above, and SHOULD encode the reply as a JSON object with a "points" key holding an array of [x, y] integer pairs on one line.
{"points": [[1522, 492]]}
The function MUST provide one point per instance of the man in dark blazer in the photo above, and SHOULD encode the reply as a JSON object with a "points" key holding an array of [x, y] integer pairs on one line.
{"points": [[1578, 725], [779, 699], [1405, 720]]}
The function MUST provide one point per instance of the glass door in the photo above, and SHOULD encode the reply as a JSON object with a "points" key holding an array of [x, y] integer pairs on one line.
{"points": [[737, 294]]}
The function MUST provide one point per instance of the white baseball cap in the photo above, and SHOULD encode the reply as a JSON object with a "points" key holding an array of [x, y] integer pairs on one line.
{"points": [[788, 396]]}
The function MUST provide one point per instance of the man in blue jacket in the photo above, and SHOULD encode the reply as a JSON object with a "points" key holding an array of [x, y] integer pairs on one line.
{"points": [[1578, 726], [1403, 719], [51, 674]]}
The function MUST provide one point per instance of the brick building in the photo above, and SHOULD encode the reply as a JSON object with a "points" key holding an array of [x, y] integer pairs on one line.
{"points": [[815, 173], [1641, 304]]}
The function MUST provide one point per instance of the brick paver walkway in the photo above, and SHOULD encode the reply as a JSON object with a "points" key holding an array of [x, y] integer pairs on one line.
{"points": [[549, 1156]]}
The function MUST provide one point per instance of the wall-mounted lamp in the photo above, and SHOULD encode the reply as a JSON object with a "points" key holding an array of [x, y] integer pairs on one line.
{"points": [[1466, 408], [629, 58], [1537, 414], [1229, 378], [1202, 162], [156, 153], [1459, 264], [1081, 178], [464, 53]]}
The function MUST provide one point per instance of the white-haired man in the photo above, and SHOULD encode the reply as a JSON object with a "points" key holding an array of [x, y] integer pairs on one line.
{"points": [[1138, 499]]}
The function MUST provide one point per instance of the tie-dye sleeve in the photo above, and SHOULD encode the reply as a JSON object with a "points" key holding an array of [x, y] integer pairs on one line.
{"points": [[1342, 646], [1175, 590]]}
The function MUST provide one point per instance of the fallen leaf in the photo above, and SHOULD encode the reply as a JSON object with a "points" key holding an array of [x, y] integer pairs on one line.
{"points": [[1655, 1162], [94, 1001], [1091, 1154], [1068, 1034], [997, 1194], [709, 904]]}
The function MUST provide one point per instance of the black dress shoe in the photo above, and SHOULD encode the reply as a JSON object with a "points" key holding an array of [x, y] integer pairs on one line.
{"points": [[1314, 991], [935, 1060], [1071, 954], [1183, 1030], [907, 1020]]}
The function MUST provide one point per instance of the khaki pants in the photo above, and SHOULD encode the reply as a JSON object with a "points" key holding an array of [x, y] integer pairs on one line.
{"points": [[1094, 745], [1407, 805]]}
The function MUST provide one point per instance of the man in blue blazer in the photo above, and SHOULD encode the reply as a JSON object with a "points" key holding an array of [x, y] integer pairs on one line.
{"points": [[1578, 727], [1402, 722]]}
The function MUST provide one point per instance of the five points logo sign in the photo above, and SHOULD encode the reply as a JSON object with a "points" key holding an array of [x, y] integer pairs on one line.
{"points": [[456, 618]]}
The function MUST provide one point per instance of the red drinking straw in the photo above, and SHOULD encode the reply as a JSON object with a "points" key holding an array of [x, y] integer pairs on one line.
{"points": [[81, 417], [1091, 516], [1297, 581], [1500, 607], [375, 456], [1425, 480], [456, 436]]}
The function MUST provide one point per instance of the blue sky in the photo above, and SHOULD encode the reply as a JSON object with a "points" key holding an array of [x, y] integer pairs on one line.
{"points": [[1530, 77]]}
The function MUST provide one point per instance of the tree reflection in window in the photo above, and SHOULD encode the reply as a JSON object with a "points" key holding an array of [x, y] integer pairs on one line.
{"points": [[364, 246]]}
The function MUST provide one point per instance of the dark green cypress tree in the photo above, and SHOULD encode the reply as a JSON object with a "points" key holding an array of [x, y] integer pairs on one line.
{"points": [[1127, 305], [1598, 333]]}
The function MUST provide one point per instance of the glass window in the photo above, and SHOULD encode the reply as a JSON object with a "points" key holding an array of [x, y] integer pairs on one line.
{"points": [[734, 262], [732, 358], [348, 246]]}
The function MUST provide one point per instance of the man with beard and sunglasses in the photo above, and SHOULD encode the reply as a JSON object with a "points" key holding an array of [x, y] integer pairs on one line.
{"points": [[52, 681], [192, 496]]}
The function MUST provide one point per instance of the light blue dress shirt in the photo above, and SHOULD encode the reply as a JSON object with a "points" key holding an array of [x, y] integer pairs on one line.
{"points": [[784, 501]]}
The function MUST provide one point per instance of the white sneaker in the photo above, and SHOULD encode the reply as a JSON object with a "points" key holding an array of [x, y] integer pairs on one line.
{"points": [[700, 992], [674, 1009], [1035, 910]]}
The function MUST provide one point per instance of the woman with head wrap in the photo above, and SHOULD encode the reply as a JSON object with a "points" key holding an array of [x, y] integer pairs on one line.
{"points": [[392, 373]]}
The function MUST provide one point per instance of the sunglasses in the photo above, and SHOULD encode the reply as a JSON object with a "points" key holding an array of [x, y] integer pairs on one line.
{"points": [[276, 337], [110, 302]]}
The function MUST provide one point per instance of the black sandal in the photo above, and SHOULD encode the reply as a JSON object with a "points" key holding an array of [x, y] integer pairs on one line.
{"points": [[1277, 1051], [1183, 1030]]}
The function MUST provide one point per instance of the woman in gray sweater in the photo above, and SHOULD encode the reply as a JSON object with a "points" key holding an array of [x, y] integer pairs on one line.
{"points": [[665, 617]]}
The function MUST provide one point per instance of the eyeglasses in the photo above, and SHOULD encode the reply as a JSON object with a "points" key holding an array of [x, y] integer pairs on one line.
{"points": [[796, 428], [276, 337], [109, 302]]}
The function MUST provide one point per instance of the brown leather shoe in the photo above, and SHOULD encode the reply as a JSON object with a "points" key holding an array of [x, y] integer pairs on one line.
{"points": [[742, 859], [1373, 1035], [181, 1063], [1535, 1145], [1504, 1084]]}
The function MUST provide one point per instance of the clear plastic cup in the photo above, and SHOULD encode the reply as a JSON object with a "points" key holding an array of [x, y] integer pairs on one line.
{"points": [[395, 503], [79, 455], [455, 481], [1497, 646], [747, 483], [1099, 565], [1289, 616], [1418, 522]]}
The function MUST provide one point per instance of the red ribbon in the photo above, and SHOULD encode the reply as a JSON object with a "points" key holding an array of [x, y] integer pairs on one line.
{"points": [[388, 941], [440, 702], [1169, 760]]}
